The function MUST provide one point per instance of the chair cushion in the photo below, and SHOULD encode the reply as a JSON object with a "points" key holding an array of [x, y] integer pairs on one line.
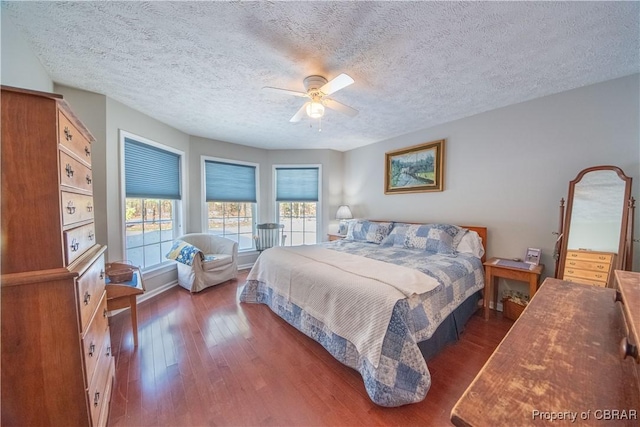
{"points": [[212, 261], [183, 252]]}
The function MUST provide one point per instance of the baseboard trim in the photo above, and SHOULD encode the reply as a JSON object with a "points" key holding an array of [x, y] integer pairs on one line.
{"points": [[245, 266]]}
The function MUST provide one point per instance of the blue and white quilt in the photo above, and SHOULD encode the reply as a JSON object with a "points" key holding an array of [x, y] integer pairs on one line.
{"points": [[400, 375]]}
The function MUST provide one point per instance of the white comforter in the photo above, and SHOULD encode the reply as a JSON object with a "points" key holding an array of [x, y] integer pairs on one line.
{"points": [[328, 285]]}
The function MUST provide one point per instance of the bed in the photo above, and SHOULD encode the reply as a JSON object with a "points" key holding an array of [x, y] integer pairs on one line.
{"points": [[381, 301]]}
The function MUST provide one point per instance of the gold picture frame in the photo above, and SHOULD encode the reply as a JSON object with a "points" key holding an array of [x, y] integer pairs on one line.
{"points": [[415, 169]]}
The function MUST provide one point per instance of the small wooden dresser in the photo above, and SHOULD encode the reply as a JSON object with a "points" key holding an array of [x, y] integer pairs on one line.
{"points": [[561, 364], [57, 367], [589, 267]]}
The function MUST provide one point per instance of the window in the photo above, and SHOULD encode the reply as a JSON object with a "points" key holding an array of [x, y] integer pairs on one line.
{"points": [[152, 203], [297, 203], [230, 194]]}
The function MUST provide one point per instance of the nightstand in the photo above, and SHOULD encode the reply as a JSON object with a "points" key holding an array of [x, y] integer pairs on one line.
{"points": [[494, 271], [336, 236]]}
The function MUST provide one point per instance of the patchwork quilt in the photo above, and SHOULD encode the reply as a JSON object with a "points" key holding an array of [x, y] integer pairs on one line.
{"points": [[398, 374]]}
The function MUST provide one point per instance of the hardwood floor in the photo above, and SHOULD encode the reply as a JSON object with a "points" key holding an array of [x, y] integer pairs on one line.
{"points": [[206, 359]]}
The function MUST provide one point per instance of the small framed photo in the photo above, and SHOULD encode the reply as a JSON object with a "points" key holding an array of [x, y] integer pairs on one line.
{"points": [[533, 256]]}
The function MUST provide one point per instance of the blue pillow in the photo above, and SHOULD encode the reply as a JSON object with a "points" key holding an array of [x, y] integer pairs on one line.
{"points": [[368, 231], [440, 238], [183, 252]]}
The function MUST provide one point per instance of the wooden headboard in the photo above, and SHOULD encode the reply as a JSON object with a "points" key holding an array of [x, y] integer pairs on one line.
{"points": [[482, 232]]}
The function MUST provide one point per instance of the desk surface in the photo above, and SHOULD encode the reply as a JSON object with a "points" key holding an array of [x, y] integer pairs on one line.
{"points": [[132, 287], [537, 269], [561, 356]]}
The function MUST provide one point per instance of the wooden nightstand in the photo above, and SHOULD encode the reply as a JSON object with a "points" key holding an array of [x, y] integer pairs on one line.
{"points": [[494, 271], [336, 236]]}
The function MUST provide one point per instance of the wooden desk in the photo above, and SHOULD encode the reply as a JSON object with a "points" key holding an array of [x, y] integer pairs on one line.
{"points": [[561, 356], [123, 295], [493, 272]]}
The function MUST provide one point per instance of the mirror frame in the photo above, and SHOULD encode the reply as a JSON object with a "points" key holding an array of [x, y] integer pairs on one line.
{"points": [[622, 255]]}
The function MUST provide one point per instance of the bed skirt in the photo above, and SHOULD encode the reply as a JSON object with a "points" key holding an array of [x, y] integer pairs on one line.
{"points": [[451, 327]]}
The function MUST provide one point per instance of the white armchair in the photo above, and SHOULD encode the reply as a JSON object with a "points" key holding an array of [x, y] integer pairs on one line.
{"points": [[220, 262]]}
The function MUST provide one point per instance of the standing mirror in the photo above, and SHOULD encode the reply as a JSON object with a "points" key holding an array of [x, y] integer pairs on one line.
{"points": [[596, 237]]}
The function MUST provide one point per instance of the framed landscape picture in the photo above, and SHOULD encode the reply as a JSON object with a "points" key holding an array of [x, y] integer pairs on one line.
{"points": [[415, 169]]}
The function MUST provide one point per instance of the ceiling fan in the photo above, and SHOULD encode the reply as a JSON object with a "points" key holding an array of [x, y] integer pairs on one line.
{"points": [[318, 90]]}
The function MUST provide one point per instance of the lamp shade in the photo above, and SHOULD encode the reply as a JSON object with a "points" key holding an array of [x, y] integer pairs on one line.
{"points": [[344, 212], [315, 110]]}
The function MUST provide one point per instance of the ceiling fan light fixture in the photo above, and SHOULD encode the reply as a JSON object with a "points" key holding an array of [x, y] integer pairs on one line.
{"points": [[315, 110]]}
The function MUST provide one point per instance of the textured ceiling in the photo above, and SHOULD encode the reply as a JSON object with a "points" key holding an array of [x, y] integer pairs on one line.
{"points": [[200, 66]]}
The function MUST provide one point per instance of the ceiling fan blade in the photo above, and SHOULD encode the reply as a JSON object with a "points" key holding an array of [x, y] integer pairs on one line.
{"points": [[344, 109], [336, 84], [287, 91], [301, 112]]}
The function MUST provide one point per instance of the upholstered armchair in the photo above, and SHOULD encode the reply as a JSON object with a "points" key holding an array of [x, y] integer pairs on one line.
{"points": [[214, 262]]}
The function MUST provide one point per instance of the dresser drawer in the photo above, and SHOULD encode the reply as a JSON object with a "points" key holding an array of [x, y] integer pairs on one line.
{"points": [[104, 413], [76, 208], [598, 276], [78, 240], [584, 281], [90, 289], [99, 391], [588, 265], [70, 137], [94, 339], [590, 256], [75, 174]]}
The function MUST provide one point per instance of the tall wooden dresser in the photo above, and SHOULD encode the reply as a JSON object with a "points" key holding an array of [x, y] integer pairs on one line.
{"points": [[57, 367]]}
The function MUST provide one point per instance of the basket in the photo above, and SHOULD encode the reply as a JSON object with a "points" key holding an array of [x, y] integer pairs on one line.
{"points": [[511, 310], [120, 271]]}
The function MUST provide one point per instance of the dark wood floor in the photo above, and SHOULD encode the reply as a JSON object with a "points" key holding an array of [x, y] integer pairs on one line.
{"points": [[205, 359]]}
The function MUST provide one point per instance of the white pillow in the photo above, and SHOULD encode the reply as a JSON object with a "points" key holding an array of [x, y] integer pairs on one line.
{"points": [[471, 243]]}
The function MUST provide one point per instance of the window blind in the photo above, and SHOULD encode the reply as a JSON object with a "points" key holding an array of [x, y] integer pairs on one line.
{"points": [[228, 182], [151, 172], [296, 184]]}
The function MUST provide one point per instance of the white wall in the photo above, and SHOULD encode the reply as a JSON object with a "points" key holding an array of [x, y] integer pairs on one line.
{"points": [[507, 169], [20, 67]]}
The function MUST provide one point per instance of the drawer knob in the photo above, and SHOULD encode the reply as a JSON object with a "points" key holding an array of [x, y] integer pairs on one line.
{"points": [[91, 235], [87, 298], [88, 179], [87, 152], [96, 398], [89, 207], [108, 350], [69, 170], [101, 274], [602, 257], [92, 349], [67, 134], [599, 276], [104, 313], [601, 267], [70, 208], [74, 245], [572, 263], [628, 349]]}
